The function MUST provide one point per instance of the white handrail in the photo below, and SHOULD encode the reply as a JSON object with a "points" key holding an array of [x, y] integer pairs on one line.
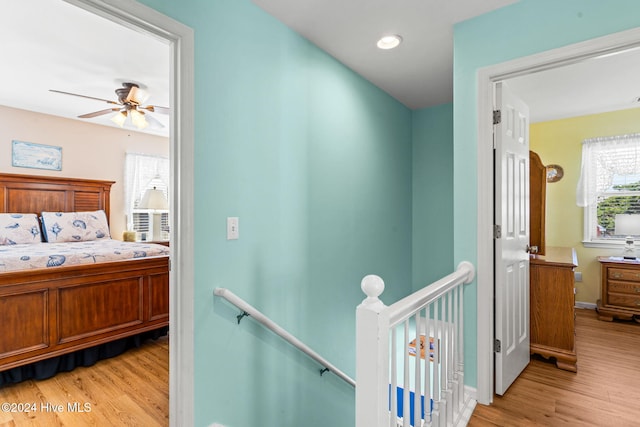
{"points": [[463, 274], [278, 330]]}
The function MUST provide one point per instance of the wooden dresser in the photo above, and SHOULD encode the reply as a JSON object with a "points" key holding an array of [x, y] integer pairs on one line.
{"points": [[552, 306], [620, 289]]}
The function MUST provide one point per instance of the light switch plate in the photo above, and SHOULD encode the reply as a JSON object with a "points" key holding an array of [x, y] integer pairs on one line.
{"points": [[233, 228]]}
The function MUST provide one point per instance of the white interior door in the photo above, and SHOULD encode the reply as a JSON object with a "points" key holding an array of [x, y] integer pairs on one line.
{"points": [[512, 239]]}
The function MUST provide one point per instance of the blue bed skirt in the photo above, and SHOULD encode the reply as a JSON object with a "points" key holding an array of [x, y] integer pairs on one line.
{"points": [[48, 368]]}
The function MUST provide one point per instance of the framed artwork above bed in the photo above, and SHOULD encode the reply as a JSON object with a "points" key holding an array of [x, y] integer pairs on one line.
{"points": [[36, 156]]}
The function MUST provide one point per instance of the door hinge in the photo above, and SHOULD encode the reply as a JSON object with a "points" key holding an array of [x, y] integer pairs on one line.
{"points": [[497, 231], [497, 117], [497, 346]]}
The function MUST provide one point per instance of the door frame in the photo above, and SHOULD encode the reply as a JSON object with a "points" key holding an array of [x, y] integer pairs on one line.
{"points": [[486, 79], [180, 41]]}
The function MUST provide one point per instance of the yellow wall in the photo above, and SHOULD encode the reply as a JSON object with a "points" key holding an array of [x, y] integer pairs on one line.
{"points": [[88, 151], [560, 142]]}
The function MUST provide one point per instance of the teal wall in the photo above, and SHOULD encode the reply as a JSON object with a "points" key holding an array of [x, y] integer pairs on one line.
{"points": [[522, 29], [432, 194], [316, 163]]}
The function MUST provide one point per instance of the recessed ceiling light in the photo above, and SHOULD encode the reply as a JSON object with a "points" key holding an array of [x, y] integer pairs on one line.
{"points": [[389, 42]]}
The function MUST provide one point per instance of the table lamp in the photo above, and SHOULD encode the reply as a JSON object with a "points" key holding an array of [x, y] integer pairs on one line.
{"points": [[154, 200], [628, 225]]}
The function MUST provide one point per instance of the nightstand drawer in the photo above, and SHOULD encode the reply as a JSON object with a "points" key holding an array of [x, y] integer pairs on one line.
{"points": [[624, 287], [623, 274], [621, 300]]}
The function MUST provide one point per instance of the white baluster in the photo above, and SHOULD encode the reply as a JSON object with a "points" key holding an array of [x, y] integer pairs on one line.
{"points": [[454, 342], [437, 401], [393, 389], [406, 386], [427, 363], [450, 368], [442, 361], [417, 392], [461, 346]]}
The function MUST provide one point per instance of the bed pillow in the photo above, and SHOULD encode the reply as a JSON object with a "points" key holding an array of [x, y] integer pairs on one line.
{"points": [[75, 226], [18, 228]]}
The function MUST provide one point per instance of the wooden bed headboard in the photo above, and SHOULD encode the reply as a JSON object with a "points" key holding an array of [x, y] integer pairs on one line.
{"points": [[35, 194]]}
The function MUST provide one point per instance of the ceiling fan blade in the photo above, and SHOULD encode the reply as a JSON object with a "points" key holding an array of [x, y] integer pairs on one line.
{"points": [[153, 122], [98, 113], [84, 96], [156, 109]]}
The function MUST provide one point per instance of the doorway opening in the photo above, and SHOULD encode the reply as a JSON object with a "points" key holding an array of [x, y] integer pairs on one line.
{"points": [[180, 40], [487, 78]]}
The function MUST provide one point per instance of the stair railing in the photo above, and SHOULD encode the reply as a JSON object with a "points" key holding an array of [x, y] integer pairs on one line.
{"points": [[249, 310], [409, 355]]}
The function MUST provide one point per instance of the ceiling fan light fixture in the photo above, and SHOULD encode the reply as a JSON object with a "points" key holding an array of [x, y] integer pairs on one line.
{"points": [[389, 41], [138, 120], [136, 95], [119, 118], [129, 104]]}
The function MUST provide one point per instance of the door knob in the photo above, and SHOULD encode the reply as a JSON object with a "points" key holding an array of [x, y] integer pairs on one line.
{"points": [[532, 249]]}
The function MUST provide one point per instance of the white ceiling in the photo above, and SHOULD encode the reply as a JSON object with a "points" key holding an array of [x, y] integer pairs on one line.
{"points": [[607, 83], [419, 72], [65, 48]]}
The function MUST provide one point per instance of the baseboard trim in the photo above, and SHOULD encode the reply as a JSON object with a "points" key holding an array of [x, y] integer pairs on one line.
{"points": [[471, 392], [586, 305], [469, 405]]}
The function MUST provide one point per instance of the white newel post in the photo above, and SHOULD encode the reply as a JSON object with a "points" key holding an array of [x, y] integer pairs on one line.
{"points": [[372, 356]]}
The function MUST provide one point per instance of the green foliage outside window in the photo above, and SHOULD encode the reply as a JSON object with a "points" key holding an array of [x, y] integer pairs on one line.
{"points": [[614, 205]]}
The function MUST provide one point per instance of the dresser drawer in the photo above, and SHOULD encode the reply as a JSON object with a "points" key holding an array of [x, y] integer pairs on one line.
{"points": [[623, 274], [624, 288], [621, 300]]}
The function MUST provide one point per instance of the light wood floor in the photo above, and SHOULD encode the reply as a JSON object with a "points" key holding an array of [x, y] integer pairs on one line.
{"points": [[132, 389], [128, 390], [604, 392]]}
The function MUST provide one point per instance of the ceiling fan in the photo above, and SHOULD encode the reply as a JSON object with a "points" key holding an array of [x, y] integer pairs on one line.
{"points": [[129, 104]]}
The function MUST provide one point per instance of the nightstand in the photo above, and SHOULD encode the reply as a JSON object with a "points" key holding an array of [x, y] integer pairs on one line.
{"points": [[620, 289]]}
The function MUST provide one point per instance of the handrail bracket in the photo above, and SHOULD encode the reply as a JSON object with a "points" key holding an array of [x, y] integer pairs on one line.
{"points": [[241, 316]]}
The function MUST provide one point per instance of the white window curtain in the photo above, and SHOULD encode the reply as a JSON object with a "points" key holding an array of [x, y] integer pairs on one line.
{"points": [[602, 160], [143, 171]]}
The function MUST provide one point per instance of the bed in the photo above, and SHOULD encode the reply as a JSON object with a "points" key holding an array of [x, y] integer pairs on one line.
{"points": [[54, 316]]}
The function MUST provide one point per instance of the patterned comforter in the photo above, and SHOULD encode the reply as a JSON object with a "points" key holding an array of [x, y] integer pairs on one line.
{"points": [[47, 255]]}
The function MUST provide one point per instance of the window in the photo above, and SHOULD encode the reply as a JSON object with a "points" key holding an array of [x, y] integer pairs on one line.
{"points": [[609, 189], [144, 172]]}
